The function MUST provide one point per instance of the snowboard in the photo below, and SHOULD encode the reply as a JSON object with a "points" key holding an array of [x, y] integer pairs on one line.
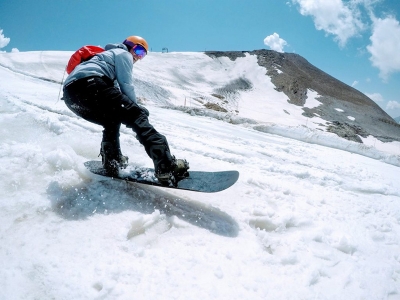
{"points": [[197, 181]]}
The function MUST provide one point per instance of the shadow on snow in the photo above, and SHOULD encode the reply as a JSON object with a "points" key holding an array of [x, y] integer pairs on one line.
{"points": [[114, 196]]}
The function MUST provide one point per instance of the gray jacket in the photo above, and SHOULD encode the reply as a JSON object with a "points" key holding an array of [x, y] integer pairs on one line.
{"points": [[116, 63]]}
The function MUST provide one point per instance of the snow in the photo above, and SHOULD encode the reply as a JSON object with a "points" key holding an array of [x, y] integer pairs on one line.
{"points": [[313, 216], [351, 118]]}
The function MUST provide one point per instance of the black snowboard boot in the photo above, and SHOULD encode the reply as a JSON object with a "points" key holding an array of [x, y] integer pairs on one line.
{"points": [[112, 158], [173, 172]]}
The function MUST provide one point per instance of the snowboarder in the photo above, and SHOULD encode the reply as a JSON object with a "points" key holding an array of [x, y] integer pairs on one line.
{"points": [[101, 91]]}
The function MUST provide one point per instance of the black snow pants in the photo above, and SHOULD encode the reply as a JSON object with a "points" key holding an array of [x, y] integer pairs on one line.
{"points": [[97, 100]]}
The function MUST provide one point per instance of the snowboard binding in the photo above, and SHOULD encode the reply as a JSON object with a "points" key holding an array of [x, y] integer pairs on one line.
{"points": [[177, 171], [112, 158]]}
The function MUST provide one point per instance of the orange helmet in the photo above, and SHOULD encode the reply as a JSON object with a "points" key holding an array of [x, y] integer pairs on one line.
{"points": [[136, 40]]}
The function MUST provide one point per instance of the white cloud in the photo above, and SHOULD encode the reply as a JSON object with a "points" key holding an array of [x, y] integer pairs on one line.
{"points": [[375, 96], [342, 20], [14, 50], [385, 46], [3, 40], [392, 105], [354, 83], [275, 42]]}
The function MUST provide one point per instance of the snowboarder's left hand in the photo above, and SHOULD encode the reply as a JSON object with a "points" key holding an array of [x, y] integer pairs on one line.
{"points": [[145, 110]]}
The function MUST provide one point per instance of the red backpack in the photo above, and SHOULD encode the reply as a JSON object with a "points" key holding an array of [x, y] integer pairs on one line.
{"points": [[82, 54]]}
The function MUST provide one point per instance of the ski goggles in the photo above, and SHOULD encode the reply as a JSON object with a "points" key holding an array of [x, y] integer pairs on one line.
{"points": [[139, 50]]}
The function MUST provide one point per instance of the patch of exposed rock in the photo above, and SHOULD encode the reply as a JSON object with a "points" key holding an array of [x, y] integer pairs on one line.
{"points": [[215, 107], [347, 131]]}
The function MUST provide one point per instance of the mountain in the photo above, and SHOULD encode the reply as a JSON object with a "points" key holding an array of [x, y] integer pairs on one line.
{"points": [[347, 112], [397, 119]]}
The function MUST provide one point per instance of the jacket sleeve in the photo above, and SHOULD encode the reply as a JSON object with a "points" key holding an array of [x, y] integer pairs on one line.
{"points": [[123, 73]]}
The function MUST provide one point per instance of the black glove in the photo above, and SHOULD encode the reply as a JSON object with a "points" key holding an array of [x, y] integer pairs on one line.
{"points": [[145, 110]]}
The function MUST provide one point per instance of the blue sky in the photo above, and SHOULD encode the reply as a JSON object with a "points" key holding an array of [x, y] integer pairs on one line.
{"points": [[356, 41]]}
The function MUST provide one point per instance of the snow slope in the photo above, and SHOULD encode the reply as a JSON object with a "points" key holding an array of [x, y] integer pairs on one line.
{"points": [[312, 216]]}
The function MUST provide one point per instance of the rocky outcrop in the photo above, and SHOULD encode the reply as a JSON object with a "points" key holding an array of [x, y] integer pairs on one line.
{"points": [[294, 76]]}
